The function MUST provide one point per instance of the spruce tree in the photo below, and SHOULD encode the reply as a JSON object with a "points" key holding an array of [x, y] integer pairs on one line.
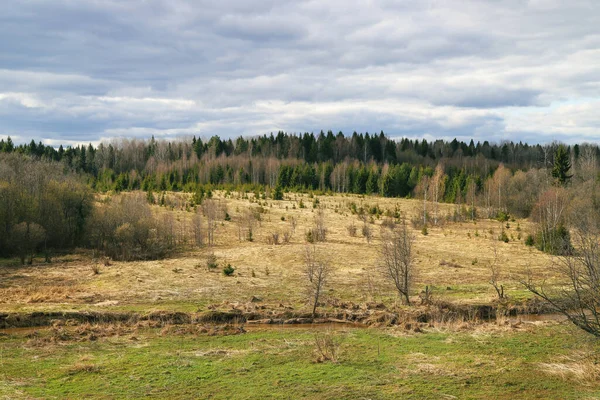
{"points": [[278, 193], [562, 165]]}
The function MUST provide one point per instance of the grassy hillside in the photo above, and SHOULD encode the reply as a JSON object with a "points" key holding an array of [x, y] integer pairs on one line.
{"points": [[452, 259]]}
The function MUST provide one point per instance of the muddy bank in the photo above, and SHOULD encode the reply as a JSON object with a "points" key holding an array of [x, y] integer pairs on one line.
{"points": [[40, 318], [250, 313]]}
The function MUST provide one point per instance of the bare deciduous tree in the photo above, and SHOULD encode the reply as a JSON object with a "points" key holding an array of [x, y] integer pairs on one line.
{"points": [[211, 212], [496, 272], [309, 261], [471, 196], [423, 189], [25, 237], [246, 225], [320, 228], [198, 230], [317, 273], [438, 186], [397, 260], [579, 296]]}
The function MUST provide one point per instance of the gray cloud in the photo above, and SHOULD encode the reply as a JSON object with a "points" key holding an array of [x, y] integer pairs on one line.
{"points": [[506, 69]]}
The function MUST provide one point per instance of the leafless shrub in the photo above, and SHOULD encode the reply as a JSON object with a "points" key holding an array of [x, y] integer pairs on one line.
{"points": [[351, 229], [388, 223], [327, 346], [426, 296], [367, 232], [273, 238], [211, 261], [95, 268], [287, 236]]}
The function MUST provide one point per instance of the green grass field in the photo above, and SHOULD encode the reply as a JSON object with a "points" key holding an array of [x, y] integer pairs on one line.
{"points": [[526, 362]]}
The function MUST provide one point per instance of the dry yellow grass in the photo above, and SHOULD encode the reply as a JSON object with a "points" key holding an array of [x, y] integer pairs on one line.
{"points": [[274, 272], [581, 368]]}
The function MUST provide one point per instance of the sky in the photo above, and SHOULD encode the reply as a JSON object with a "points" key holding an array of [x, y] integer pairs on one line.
{"points": [[75, 71]]}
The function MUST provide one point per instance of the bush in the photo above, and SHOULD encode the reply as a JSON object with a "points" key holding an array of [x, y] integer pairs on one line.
{"points": [[389, 223], [367, 233], [351, 230], [228, 270], [211, 261], [502, 216], [503, 237], [529, 241], [310, 237], [327, 347], [95, 269]]}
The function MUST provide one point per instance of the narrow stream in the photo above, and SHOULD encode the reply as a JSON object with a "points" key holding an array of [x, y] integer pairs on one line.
{"points": [[323, 326]]}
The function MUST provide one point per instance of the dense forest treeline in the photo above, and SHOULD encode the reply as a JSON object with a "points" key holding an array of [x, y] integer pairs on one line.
{"points": [[46, 196], [359, 163]]}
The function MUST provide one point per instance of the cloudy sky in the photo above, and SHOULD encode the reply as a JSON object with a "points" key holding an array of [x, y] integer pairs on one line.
{"points": [[74, 71]]}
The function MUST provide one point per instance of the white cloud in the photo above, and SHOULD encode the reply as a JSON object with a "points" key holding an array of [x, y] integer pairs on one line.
{"points": [[23, 99]]}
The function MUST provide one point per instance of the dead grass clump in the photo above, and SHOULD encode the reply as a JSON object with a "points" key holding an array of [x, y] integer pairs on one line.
{"points": [[40, 294], [198, 329], [389, 223], [328, 346], [91, 332], [585, 372], [188, 329], [450, 264], [82, 367]]}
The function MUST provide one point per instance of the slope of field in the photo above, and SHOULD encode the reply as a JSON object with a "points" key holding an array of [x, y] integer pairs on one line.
{"points": [[453, 260]]}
